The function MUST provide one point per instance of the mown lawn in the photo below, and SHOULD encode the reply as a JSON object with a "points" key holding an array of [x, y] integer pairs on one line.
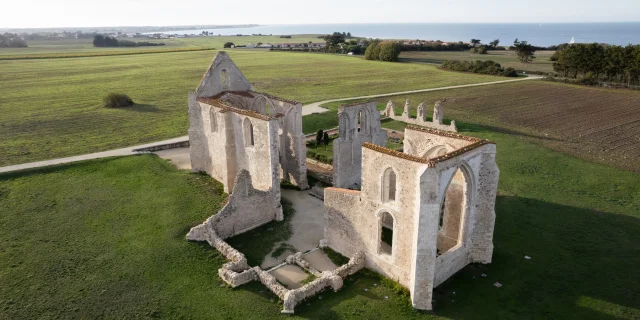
{"points": [[105, 239], [541, 64], [52, 108]]}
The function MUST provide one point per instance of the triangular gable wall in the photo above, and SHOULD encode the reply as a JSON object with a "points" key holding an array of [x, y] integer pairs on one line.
{"points": [[222, 75]]}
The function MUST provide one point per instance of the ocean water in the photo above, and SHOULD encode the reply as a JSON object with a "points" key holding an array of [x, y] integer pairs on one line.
{"points": [[544, 34]]}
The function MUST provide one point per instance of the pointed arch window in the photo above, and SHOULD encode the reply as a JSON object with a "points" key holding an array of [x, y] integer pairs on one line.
{"points": [[248, 133], [389, 185], [386, 227]]}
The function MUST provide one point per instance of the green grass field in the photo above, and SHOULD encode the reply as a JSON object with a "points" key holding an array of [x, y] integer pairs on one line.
{"points": [[52, 107], [86, 45], [105, 239], [504, 58]]}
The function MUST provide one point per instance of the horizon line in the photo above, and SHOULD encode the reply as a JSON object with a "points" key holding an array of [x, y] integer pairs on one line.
{"points": [[253, 25]]}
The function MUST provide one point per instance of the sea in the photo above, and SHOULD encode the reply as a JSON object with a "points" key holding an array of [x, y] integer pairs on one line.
{"points": [[539, 34]]}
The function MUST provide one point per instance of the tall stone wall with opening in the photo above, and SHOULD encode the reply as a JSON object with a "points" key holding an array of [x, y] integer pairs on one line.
{"points": [[359, 123]]}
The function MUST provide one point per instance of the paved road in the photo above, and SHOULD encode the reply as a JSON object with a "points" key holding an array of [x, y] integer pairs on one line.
{"points": [[307, 109], [105, 154]]}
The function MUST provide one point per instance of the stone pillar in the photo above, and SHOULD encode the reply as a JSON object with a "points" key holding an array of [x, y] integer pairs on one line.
{"points": [[406, 114], [422, 112], [438, 113], [390, 110], [485, 215], [425, 237]]}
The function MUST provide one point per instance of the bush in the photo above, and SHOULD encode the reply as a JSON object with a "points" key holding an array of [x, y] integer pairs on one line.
{"points": [[228, 44], [485, 67], [117, 100], [383, 51], [371, 53], [389, 51]]}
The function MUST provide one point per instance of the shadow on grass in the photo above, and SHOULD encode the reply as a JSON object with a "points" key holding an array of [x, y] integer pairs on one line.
{"points": [[582, 263], [583, 266], [143, 108]]}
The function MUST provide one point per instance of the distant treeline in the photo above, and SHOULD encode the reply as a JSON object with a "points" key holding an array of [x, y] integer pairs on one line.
{"points": [[100, 40], [12, 40], [485, 67], [459, 46], [599, 62]]}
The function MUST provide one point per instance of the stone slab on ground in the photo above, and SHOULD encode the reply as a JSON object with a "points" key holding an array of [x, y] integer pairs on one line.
{"points": [[179, 157], [307, 223], [319, 261], [290, 276]]}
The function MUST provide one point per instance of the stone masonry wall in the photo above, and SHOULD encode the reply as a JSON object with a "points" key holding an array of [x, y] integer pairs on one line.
{"points": [[421, 120], [358, 123], [241, 212]]}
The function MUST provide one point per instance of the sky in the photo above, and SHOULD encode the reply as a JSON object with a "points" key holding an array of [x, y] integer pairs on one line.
{"points": [[98, 13]]}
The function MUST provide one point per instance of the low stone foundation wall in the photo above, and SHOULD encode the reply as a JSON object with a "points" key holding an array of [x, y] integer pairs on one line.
{"points": [[271, 283], [320, 164], [332, 279], [175, 145]]}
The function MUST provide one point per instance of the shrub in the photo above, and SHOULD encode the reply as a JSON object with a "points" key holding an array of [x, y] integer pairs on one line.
{"points": [[389, 51], [370, 53], [228, 44], [117, 100], [486, 67]]}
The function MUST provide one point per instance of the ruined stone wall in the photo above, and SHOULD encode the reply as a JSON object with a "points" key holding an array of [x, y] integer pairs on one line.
{"points": [[353, 220], [421, 120], [327, 279], [246, 209], [424, 144], [293, 148], [347, 148], [222, 75], [219, 145]]}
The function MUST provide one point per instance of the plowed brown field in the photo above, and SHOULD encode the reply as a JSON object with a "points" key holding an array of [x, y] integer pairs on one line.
{"points": [[593, 123]]}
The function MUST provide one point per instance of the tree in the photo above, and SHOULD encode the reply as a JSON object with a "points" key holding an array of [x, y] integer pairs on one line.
{"points": [[494, 43], [229, 44], [348, 34], [319, 136], [475, 42], [325, 140], [524, 51], [389, 51], [372, 51], [334, 39]]}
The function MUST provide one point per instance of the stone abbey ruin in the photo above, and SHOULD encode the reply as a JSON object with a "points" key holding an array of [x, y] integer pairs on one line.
{"points": [[416, 216]]}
